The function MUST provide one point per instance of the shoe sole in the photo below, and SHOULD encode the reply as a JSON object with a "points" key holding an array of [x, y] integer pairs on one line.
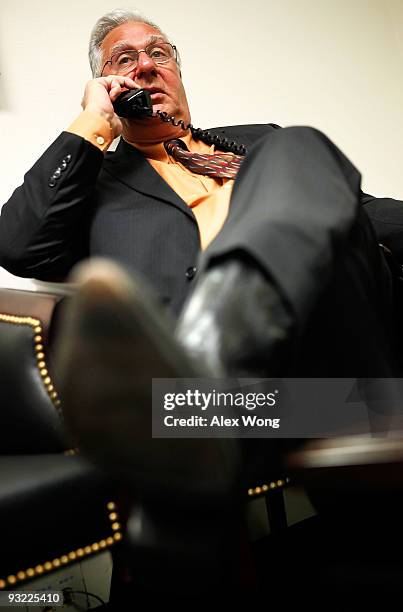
{"points": [[115, 339]]}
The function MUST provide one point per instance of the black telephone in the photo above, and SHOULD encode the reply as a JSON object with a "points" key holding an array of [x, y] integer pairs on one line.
{"points": [[133, 103]]}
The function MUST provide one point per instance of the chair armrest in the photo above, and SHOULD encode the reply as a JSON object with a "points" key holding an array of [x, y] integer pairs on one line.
{"points": [[54, 510], [30, 415]]}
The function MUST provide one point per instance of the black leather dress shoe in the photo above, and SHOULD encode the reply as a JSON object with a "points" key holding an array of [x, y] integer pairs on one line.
{"points": [[236, 323], [113, 341]]}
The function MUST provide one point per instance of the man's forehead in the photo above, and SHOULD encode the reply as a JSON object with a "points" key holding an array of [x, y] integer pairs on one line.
{"points": [[130, 35], [127, 44]]}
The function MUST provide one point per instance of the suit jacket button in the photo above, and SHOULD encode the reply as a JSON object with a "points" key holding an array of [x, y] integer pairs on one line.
{"points": [[52, 182], [190, 272], [67, 159], [57, 173]]}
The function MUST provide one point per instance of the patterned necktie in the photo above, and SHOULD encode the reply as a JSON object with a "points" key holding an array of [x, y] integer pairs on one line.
{"points": [[218, 165]]}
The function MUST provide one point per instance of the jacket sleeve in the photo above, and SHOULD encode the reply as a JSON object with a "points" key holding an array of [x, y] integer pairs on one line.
{"points": [[386, 215], [43, 226]]}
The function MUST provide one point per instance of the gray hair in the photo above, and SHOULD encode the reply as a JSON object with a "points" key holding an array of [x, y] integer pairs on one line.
{"points": [[106, 24]]}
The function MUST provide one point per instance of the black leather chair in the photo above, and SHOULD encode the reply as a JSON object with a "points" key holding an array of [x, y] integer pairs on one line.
{"points": [[54, 507]]}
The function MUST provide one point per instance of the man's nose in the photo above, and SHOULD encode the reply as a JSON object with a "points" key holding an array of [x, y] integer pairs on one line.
{"points": [[145, 65]]}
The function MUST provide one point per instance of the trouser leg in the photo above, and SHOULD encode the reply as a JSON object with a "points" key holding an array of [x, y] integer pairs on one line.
{"points": [[294, 200], [295, 210]]}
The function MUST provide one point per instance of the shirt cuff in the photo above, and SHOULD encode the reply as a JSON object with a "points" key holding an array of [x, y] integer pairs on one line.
{"points": [[93, 128]]}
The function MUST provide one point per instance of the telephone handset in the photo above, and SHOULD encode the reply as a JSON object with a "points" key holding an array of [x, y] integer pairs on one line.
{"points": [[137, 103], [133, 103]]}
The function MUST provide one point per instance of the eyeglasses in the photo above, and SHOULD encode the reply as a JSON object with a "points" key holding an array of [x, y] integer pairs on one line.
{"points": [[125, 61]]}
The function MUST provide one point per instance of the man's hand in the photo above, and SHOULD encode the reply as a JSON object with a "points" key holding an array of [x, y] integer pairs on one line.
{"points": [[99, 95]]}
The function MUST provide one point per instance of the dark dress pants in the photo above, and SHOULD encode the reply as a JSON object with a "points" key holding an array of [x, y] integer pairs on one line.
{"points": [[296, 210]]}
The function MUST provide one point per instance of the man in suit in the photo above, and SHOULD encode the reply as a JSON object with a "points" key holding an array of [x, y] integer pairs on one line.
{"points": [[274, 272], [280, 265]]}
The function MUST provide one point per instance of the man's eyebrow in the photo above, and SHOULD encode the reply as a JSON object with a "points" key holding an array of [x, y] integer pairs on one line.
{"points": [[124, 45]]}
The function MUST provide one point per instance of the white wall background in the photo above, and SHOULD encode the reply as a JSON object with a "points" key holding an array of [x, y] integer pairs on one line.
{"points": [[333, 64]]}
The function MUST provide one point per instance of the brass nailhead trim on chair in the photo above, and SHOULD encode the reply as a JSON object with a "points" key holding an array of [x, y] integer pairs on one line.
{"points": [[74, 555], [264, 488], [40, 355], [85, 551]]}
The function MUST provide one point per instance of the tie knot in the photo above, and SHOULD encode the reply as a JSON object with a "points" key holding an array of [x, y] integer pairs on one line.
{"points": [[170, 145], [217, 165]]}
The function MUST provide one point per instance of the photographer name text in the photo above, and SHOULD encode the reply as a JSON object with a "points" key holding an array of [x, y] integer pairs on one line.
{"points": [[250, 420]]}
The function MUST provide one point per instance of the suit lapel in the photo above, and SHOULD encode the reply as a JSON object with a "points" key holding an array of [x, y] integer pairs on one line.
{"points": [[129, 166]]}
